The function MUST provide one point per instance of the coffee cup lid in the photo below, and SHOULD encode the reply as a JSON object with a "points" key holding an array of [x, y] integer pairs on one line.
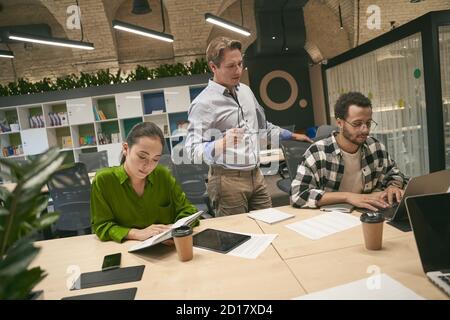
{"points": [[182, 231], [372, 217]]}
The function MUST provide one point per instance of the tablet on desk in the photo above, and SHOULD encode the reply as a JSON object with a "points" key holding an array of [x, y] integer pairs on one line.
{"points": [[218, 240]]}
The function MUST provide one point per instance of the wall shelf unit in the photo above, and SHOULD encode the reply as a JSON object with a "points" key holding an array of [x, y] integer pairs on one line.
{"points": [[90, 122]]}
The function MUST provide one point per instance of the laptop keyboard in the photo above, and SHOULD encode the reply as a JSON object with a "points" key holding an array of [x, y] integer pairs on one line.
{"points": [[445, 278], [389, 211]]}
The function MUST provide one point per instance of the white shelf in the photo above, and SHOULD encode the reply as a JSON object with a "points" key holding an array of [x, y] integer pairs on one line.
{"points": [[128, 108], [56, 127], [86, 147], [14, 156], [106, 120], [8, 133]]}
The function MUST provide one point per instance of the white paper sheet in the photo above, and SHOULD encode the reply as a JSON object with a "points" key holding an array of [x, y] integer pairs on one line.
{"points": [[270, 215], [324, 225], [252, 248], [376, 287], [166, 235]]}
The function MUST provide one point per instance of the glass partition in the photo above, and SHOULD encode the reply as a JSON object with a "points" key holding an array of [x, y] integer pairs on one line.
{"points": [[392, 77], [444, 52]]}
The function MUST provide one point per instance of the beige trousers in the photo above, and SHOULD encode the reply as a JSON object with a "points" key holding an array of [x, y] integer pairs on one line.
{"points": [[237, 191]]}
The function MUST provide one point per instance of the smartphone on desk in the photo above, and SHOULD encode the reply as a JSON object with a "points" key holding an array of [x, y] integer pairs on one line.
{"points": [[111, 261]]}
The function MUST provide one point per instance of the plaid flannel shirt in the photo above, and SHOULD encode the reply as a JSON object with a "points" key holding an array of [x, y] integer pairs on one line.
{"points": [[322, 167]]}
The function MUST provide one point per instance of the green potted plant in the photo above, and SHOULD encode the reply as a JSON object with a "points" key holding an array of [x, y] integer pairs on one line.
{"points": [[20, 218]]}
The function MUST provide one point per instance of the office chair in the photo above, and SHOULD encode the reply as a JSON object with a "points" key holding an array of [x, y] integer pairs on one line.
{"points": [[94, 160], [166, 161], [192, 180], [324, 131], [70, 190], [293, 152], [290, 127], [282, 167]]}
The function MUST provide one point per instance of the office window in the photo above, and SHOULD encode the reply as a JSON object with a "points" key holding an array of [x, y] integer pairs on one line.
{"points": [[392, 77], [444, 52]]}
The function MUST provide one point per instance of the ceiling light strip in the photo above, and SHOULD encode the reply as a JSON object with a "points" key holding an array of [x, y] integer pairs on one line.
{"points": [[226, 24], [124, 26]]}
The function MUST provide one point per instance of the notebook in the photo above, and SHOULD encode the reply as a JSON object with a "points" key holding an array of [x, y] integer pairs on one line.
{"points": [[270, 215]]}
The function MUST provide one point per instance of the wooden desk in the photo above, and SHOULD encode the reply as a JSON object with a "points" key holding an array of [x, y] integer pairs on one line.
{"points": [[209, 275], [399, 259], [290, 244], [291, 267]]}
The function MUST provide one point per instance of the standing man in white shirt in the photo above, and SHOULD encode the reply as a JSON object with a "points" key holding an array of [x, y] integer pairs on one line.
{"points": [[226, 125]]}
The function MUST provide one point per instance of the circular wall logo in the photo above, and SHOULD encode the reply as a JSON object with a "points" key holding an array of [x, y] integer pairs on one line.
{"points": [[265, 97]]}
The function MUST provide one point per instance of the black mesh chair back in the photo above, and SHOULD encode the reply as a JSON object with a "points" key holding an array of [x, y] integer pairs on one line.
{"points": [[70, 190], [166, 161], [324, 131], [290, 127], [94, 160], [192, 180], [293, 152]]}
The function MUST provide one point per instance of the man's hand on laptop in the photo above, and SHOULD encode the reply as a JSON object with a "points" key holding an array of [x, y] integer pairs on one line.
{"points": [[369, 201], [392, 194]]}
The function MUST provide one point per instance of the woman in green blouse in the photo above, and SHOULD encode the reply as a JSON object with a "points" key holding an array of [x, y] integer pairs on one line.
{"points": [[137, 199]]}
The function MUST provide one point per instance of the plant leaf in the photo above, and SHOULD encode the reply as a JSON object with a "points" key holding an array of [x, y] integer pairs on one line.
{"points": [[19, 286], [4, 194], [40, 178], [17, 258], [46, 220]]}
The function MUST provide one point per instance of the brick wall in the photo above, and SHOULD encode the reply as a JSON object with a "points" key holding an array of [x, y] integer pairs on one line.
{"points": [[185, 21], [400, 11]]}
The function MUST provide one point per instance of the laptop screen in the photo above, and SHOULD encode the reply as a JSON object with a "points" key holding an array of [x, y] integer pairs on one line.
{"points": [[430, 221]]}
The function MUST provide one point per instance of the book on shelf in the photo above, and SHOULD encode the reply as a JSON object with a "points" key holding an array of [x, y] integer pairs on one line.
{"points": [[66, 142], [102, 115], [96, 115]]}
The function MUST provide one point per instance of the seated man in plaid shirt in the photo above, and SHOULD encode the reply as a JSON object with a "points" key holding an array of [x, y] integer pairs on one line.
{"points": [[349, 166]]}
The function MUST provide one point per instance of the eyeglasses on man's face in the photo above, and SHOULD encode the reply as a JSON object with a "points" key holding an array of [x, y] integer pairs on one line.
{"points": [[359, 124]]}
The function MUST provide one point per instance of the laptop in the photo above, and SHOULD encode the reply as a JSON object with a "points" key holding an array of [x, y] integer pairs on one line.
{"points": [[436, 182], [430, 220]]}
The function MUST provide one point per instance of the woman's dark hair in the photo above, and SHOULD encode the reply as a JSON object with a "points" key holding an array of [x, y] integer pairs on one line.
{"points": [[143, 129], [348, 99]]}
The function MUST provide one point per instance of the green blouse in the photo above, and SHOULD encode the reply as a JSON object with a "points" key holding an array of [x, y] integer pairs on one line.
{"points": [[116, 208]]}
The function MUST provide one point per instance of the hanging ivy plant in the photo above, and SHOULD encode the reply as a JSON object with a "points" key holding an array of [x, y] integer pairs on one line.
{"points": [[102, 77]]}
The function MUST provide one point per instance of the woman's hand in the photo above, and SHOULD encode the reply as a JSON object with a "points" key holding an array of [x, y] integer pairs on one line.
{"points": [[150, 231]]}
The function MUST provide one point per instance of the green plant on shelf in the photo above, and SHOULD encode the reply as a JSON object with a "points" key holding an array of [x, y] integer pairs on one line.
{"points": [[102, 77], [20, 218]]}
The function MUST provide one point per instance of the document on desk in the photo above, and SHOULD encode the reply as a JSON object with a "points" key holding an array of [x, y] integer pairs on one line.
{"points": [[166, 235], [376, 287], [252, 248], [324, 225], [270, 215]]}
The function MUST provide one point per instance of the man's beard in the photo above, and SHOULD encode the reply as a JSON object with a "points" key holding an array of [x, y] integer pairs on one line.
{"points": [[353, 138]]}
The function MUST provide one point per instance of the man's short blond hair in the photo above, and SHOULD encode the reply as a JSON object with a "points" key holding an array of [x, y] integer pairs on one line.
{"points": [[217, 46]]}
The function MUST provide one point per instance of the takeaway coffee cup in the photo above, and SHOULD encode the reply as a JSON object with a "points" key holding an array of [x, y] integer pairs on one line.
{"points": [[183, 242], [372, 225]]}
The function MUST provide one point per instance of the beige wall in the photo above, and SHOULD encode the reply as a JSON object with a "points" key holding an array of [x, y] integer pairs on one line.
{"points": [[400, 11]]}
